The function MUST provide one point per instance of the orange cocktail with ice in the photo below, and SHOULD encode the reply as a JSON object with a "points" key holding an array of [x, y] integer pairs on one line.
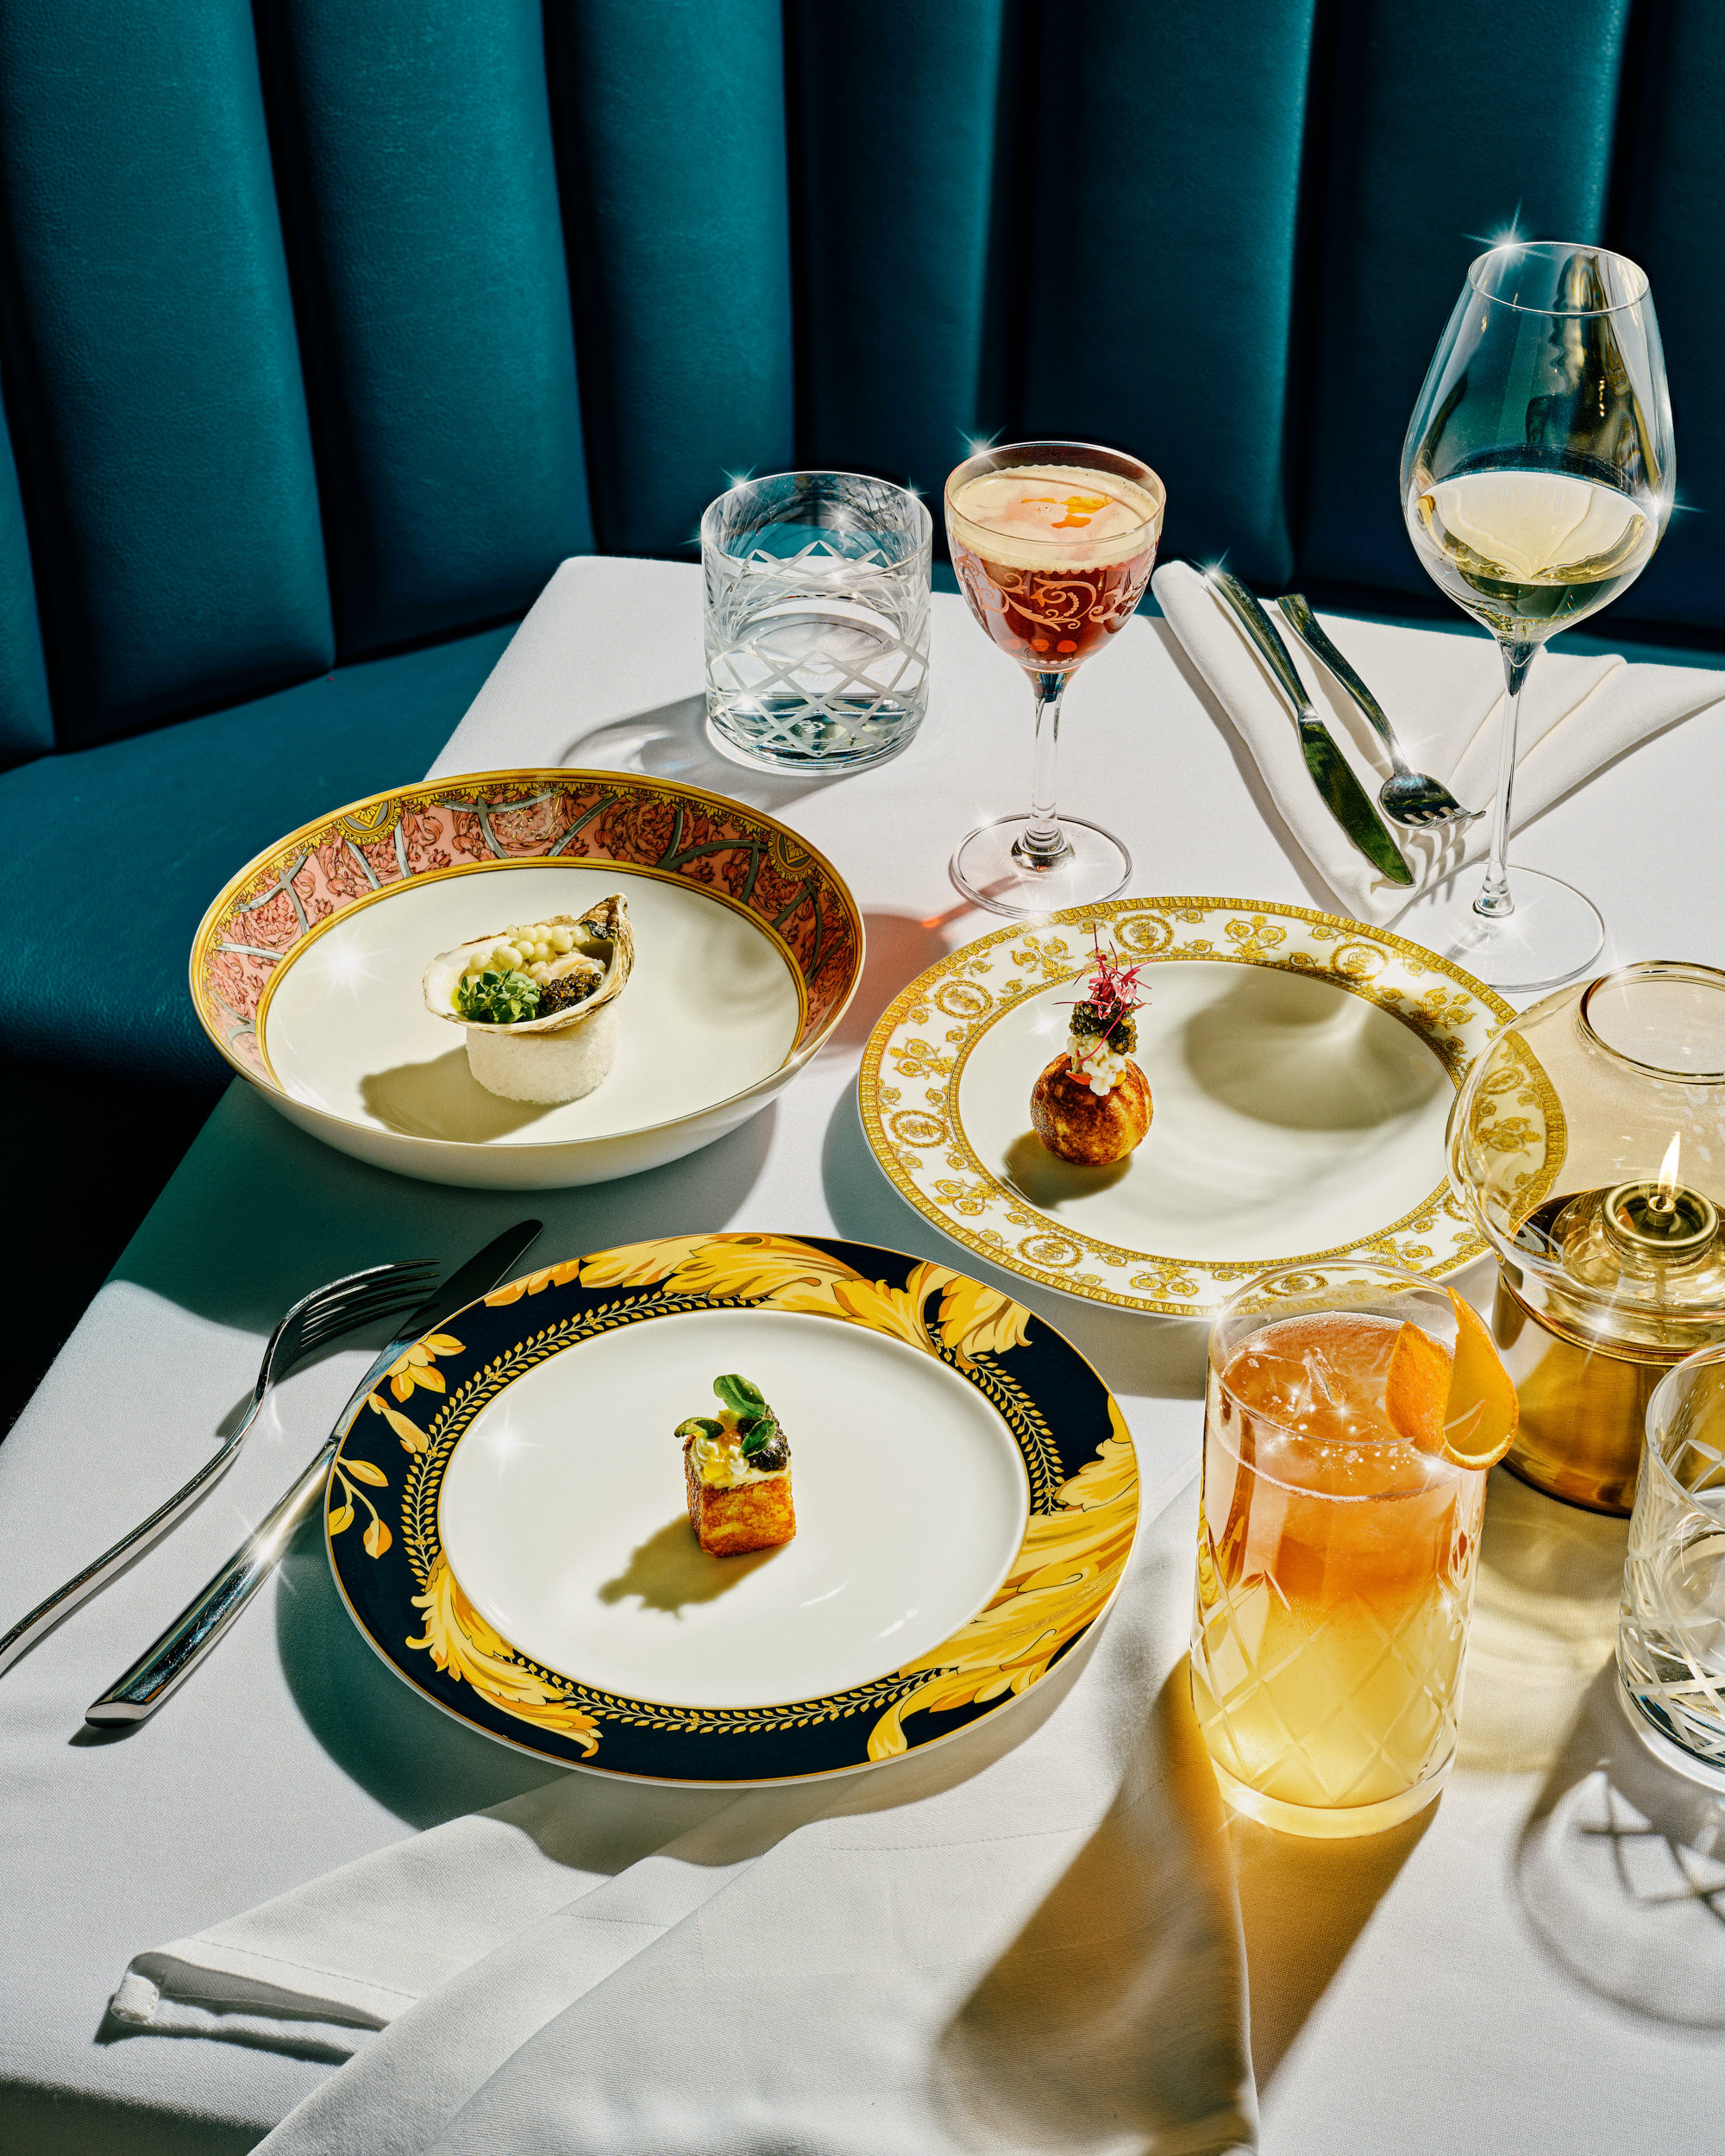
{"points": [[1352, 1411]]}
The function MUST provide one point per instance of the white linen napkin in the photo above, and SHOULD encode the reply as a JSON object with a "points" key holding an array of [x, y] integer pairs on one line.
{"points": [[1444, 695], [1025, 1939]]}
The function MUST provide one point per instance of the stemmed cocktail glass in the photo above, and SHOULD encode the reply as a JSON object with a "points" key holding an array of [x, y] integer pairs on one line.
{"points": [[1537, 478], [1053, 543]]}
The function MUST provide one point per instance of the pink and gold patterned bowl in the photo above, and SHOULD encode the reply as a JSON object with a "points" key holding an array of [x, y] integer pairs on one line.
{"points": [[306, 970]]}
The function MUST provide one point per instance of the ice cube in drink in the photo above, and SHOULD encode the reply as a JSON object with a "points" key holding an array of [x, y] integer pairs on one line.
{"points": [[1335, 1569]]}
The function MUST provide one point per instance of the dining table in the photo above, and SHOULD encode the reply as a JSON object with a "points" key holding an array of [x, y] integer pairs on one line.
{"points": [[1536, 1961]]}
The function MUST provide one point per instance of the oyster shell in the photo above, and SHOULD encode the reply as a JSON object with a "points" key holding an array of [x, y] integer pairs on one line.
{"points": [[602, 932]]}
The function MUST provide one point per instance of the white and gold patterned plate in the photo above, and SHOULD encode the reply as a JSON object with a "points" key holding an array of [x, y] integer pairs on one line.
{"points": [[509, 1529], [1302, 1068]]}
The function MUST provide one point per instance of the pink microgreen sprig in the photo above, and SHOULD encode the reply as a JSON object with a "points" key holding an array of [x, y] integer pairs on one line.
{"points": [[1110, 990]]}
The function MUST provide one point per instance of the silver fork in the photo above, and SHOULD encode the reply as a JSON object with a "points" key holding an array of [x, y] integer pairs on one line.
{"points": [[325, 1313], [1410, 798]]}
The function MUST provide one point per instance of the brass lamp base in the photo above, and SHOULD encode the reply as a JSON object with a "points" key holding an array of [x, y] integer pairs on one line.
{"points": [[1583, 1406]]}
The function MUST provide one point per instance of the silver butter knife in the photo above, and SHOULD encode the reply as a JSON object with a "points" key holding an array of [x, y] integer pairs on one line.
{"points": [[165, 1666], [1343, 794]]}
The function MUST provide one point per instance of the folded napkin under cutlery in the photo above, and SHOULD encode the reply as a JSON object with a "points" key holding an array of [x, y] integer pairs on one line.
{"points": [[1445, 694], [1026, 1939]]}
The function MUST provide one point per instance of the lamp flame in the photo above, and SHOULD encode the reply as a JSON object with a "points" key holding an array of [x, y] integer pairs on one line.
{"points": [[1666, 1198]]}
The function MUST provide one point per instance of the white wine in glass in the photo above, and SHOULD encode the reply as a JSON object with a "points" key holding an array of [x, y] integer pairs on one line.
{"points": [[1537, 478]]}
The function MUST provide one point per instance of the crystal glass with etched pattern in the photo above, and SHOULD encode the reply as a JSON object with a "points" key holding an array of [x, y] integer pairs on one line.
{"points": [[1336, 1558], [1670, 1633], [816, 620]]}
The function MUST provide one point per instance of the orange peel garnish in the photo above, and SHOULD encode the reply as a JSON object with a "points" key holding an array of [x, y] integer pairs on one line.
{"points": [[1465, 1406], [1416, 1387], [1481, 1413]]}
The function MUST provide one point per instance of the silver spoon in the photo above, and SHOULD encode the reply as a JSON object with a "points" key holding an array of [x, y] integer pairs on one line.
{"points": [[1410, 798]]}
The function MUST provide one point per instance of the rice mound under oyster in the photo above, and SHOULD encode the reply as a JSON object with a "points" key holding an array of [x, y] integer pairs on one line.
{"points": [[538, 1001]]}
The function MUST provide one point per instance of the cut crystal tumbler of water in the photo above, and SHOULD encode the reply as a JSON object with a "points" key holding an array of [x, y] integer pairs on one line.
{"points": [[817, 619], [1670, 1627]]}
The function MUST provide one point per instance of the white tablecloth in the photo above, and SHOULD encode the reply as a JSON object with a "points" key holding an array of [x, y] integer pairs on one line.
{"points": [[1525, 1967]]}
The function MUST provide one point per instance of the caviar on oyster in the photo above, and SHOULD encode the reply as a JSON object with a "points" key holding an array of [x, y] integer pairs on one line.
{"points": [[538, 1001], [737, 1472], [1099, 1046], [542, 956]]}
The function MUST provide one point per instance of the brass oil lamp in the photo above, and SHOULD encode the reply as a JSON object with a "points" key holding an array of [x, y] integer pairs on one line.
{"points": [[1588, 1145]]}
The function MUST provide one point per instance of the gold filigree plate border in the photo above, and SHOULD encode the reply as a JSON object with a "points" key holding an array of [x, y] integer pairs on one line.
{"points": [[1078, 1458], [908, 1087], [621, 870], [476, 822]]}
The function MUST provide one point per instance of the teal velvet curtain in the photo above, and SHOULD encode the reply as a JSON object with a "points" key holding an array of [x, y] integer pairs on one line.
{"points": [[328, 327]]}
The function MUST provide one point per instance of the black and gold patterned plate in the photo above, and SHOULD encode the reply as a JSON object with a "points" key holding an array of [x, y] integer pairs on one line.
{"points": [[507, 1526]]}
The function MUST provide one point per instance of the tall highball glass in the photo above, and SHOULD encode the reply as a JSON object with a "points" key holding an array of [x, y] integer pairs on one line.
{"points": [[1052, 543], [1537, 478], [1339, 1521]]}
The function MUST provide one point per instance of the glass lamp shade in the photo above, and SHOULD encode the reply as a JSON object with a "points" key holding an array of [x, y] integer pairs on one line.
{"points": [[1588, 1146]]}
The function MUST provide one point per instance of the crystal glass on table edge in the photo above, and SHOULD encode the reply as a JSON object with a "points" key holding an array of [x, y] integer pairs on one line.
{"points": [[1671, 1632]]}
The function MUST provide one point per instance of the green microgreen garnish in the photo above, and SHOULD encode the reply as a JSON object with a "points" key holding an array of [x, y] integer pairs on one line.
{"points": [[699, 1426], [756, 1425], [497, 998], [740, 1396]]}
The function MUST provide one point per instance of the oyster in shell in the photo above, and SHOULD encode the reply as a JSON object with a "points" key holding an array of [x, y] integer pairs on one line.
{"points": [[566, 1053]]}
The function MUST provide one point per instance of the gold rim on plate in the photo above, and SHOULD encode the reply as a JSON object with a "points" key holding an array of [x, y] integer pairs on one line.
{"points": [[282, 902], [383, 1524], [908, 1087]]}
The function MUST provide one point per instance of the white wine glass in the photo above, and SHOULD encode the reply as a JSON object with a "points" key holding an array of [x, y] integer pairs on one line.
{"points": [[1537, 478], [1052, 543]]}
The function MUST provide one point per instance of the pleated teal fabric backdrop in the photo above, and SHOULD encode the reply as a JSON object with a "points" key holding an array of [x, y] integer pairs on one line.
{"points": [[328, 327]]}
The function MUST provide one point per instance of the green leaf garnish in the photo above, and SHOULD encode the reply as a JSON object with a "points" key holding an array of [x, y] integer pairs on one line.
{"points": [[699, 1426], [760, 1434], [740, 1396], [497, 998]]}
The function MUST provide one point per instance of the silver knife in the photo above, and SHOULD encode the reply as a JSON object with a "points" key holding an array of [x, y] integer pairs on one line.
{"points": [[167, 1665], [1343, 794]]}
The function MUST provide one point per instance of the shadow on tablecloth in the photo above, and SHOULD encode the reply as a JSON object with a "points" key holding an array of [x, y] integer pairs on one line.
{"points": [[1303, 1906], [423, 1764], [1159, 1357], [1620, 1871], [671, 741], [1619, 1867], [260, 1213]]}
